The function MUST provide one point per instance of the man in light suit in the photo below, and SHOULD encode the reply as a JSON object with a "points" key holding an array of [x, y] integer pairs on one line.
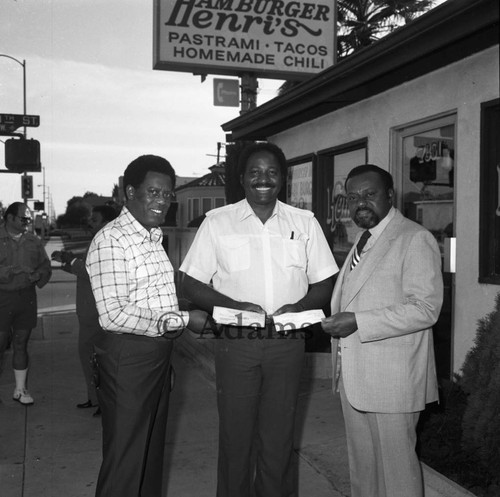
{"points": [[383, 307]]}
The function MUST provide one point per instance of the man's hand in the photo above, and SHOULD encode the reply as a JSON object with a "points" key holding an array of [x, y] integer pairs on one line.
{"points": [[21, 270], [288, 308], [201, 322], [62, 256], [248, 306], [340, 325]]}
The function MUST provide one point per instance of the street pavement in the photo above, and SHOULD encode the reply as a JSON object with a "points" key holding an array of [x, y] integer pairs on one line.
{"points": [[53, 449]]}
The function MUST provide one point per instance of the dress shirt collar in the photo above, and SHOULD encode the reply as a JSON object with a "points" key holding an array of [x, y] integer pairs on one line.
{"points": [[376, 231], [133, 227], [247, 211]]}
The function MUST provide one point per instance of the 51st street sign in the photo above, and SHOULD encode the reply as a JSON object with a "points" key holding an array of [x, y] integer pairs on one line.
{"points": [[10, 122]]}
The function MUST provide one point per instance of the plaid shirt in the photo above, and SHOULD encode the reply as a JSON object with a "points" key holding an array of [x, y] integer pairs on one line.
{"points": [[133, 280]]}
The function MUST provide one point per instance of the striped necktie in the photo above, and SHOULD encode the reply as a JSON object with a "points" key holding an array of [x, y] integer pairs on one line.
{"points": [[356, 255]]}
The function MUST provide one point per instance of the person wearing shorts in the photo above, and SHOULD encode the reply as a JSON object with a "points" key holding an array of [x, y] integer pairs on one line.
{"points": [[24, 265]]}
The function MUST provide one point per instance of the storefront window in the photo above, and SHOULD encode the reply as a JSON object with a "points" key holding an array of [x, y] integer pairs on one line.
{"points": [[489, 237], [332, 211], [424, 172], [326, 176], [299, 185], [428, 171]]}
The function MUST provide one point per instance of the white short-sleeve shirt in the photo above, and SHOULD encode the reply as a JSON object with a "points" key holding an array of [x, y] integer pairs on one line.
{"points": [[268, 264]]}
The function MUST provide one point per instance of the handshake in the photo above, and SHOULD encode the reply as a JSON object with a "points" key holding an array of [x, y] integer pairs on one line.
{"points": [[62, 256]]}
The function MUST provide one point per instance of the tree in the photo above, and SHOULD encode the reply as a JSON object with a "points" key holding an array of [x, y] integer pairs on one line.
{"points": [[77, 213], [89, 194], [362, 22], [481, 381]]}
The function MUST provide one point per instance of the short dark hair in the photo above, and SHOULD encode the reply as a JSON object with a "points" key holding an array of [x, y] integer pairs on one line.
{"points": [[13, 209], [107, 212], [136, 171], [253, 148], [372, 168]]}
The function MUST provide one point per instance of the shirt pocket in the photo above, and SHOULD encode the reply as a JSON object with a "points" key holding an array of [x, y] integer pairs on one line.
{"points": [[141, 269], [294, 254], [234, 252]]}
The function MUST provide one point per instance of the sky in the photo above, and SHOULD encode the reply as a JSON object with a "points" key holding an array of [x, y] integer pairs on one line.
{"points": [[89, 77]]}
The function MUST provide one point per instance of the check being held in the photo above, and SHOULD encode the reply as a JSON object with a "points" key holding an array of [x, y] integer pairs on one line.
{"points": [[287, 322]]}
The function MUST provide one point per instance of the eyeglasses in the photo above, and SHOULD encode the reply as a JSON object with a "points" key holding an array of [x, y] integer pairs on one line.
{"points": [[154, 193], [25, 220]]}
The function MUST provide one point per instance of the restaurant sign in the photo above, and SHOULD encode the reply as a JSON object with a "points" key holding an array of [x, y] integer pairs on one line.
{"points": [[279, 39]]}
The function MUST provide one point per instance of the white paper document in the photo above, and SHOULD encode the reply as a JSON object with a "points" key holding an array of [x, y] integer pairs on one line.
{"points": [[296, 320], [235, 317]]}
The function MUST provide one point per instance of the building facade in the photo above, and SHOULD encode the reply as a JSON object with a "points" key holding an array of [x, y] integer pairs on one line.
{"points": [[423, 103], [200, 195]]}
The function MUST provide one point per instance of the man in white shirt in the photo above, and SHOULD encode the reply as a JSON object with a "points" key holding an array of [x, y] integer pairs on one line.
{"points": [[264, 256]]}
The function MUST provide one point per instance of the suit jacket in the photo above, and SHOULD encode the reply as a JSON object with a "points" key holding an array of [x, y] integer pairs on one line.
{"points": [[396, 292]]}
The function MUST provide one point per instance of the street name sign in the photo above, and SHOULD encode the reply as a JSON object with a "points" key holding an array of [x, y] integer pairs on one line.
{"points": [[10, 122]]}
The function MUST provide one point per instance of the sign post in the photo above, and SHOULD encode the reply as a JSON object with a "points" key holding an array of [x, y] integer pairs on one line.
{"points": [[21, 155], [249, 85]]}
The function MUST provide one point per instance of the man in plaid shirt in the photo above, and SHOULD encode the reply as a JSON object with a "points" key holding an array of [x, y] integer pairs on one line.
{"points": [[133, 283]]}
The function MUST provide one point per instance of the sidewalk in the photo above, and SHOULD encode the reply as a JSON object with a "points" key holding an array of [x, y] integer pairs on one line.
{"points": [[52, 449]]}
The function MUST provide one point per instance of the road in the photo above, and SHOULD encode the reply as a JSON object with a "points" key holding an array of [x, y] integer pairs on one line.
{"points": [[52, 449], [60, 293]]}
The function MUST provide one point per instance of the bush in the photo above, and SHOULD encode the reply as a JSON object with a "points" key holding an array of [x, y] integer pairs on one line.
{"points": [[481, 382], [460, 437]]}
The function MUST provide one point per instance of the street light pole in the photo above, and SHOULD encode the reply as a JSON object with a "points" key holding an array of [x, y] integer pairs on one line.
{"points": [[23, 65], [44, 190]]}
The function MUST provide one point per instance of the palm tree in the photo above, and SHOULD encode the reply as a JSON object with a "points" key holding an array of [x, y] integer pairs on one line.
{"points": [[362, 22]]}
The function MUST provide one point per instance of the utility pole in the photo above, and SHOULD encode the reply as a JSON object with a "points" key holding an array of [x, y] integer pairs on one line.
{"points": [[23, 65], [249, 85]]}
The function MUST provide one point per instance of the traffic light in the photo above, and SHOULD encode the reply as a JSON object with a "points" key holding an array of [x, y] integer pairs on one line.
{"points": [[27, 186], [22, 155], [39, 206]]}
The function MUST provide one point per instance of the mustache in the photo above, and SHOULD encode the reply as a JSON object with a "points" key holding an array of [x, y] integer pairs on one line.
{"points": [[263, 185], [363, 209]]}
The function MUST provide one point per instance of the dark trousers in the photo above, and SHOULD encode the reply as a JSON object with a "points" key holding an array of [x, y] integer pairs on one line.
{"points": [[89, 331], [133, 392], [257, 388]]}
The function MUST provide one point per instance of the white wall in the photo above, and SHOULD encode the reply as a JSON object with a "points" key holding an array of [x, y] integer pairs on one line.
{"points": [[460, 87]]}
